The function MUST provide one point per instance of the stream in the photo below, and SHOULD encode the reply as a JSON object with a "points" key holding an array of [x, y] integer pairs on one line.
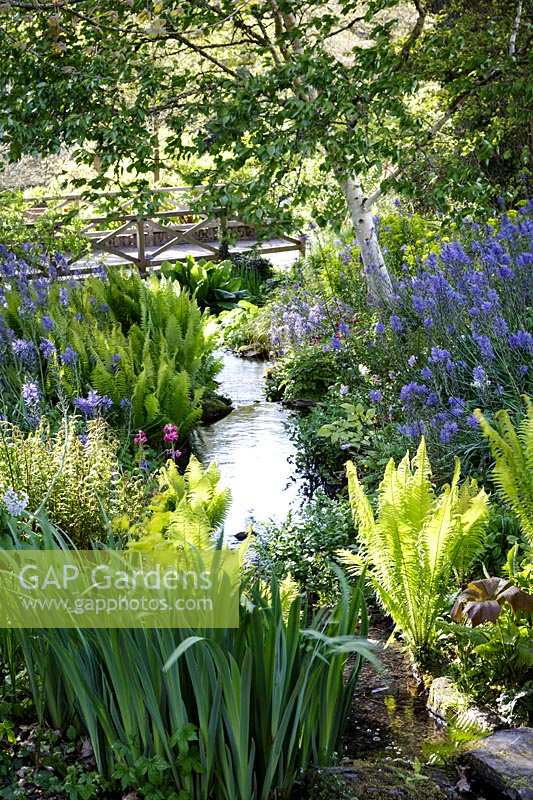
{"points": [[388, 724], [251, 448]]}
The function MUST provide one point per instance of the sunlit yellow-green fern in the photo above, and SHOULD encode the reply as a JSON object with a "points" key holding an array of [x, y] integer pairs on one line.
{"points": [[512, 450], [418, 543], [187, 510]]}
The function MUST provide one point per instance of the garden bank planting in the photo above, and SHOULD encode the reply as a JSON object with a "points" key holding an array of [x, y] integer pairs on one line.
{"points": [[266, 400]]}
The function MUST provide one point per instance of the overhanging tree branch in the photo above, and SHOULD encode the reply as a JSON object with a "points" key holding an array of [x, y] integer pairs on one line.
{"points": [[435, 129], [416, 32], [344, 28]]}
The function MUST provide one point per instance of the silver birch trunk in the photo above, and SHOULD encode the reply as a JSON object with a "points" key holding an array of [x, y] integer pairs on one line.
{"points": [[376, 273]]}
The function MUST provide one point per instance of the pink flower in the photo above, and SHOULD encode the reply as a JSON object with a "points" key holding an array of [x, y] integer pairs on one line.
{"points": [[140, 438], [170, 433]]}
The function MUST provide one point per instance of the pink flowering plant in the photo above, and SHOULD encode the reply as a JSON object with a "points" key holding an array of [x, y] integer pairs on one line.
{"points": [[170, 437], [147, 454]]}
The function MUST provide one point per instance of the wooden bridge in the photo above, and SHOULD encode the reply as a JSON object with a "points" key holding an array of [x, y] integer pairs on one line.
{"points": [[172, 232]]}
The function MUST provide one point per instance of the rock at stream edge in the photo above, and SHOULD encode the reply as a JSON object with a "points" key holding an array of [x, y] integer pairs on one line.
{"points": [[504, 761]]}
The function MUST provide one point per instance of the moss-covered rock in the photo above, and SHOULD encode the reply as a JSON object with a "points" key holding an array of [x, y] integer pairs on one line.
{"points": [[215, 407], [453, 707]]}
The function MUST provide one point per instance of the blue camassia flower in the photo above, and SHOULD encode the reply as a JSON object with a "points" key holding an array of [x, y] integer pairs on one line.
{"points": [[16, 503], [94, 404]]}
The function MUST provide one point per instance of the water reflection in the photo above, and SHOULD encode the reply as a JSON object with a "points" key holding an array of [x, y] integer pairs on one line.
{"points": [[251, 447]]}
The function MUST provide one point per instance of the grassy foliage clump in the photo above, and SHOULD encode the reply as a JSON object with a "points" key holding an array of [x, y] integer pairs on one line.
{"points": [[76, 480]]}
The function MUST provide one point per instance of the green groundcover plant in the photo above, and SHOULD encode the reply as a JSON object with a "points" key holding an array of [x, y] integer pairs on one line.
{"points": [[344, 424], [491, 641], [304, 546]]}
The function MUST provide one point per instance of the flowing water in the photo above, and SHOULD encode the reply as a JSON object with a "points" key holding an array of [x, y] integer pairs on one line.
{"points": [[251, 448]]}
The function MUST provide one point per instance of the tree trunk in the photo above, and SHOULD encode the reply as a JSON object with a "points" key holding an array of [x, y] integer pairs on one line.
{"points": [[377, 275]]}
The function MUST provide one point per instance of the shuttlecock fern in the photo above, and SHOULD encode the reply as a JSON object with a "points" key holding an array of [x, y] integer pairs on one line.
{"points": [[144, 345], [187, 509], [418, 544], [512, 450]]}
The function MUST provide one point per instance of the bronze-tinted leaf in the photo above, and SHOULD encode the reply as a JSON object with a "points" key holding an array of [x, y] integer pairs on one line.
{"points": [[518, 599], [482, 600], [485, 611], [458, 607], [488, 588]]}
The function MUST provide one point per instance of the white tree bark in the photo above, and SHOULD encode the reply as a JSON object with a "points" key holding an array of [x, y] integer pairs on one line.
{"points": [[377, 275], [515, 29]]}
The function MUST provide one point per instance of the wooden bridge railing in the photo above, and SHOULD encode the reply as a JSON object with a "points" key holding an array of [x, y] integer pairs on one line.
{"points": [[148, 239]]}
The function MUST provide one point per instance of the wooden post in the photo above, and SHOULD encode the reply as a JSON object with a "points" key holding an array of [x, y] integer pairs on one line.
{"points": [[223, 252], [141, 252]]}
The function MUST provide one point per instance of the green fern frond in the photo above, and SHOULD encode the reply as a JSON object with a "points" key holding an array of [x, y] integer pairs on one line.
{"points": [[416, 541], [360, 505], [104, 381], [187, 509], [151, 406], [137, 401], [219, 507], [512, 450]]}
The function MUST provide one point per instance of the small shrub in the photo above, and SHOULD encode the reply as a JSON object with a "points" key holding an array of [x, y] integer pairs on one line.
{"points": [[305, 546], [305, 374], [408, 239], [76, 478], [246, 329], [345, 424]]}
